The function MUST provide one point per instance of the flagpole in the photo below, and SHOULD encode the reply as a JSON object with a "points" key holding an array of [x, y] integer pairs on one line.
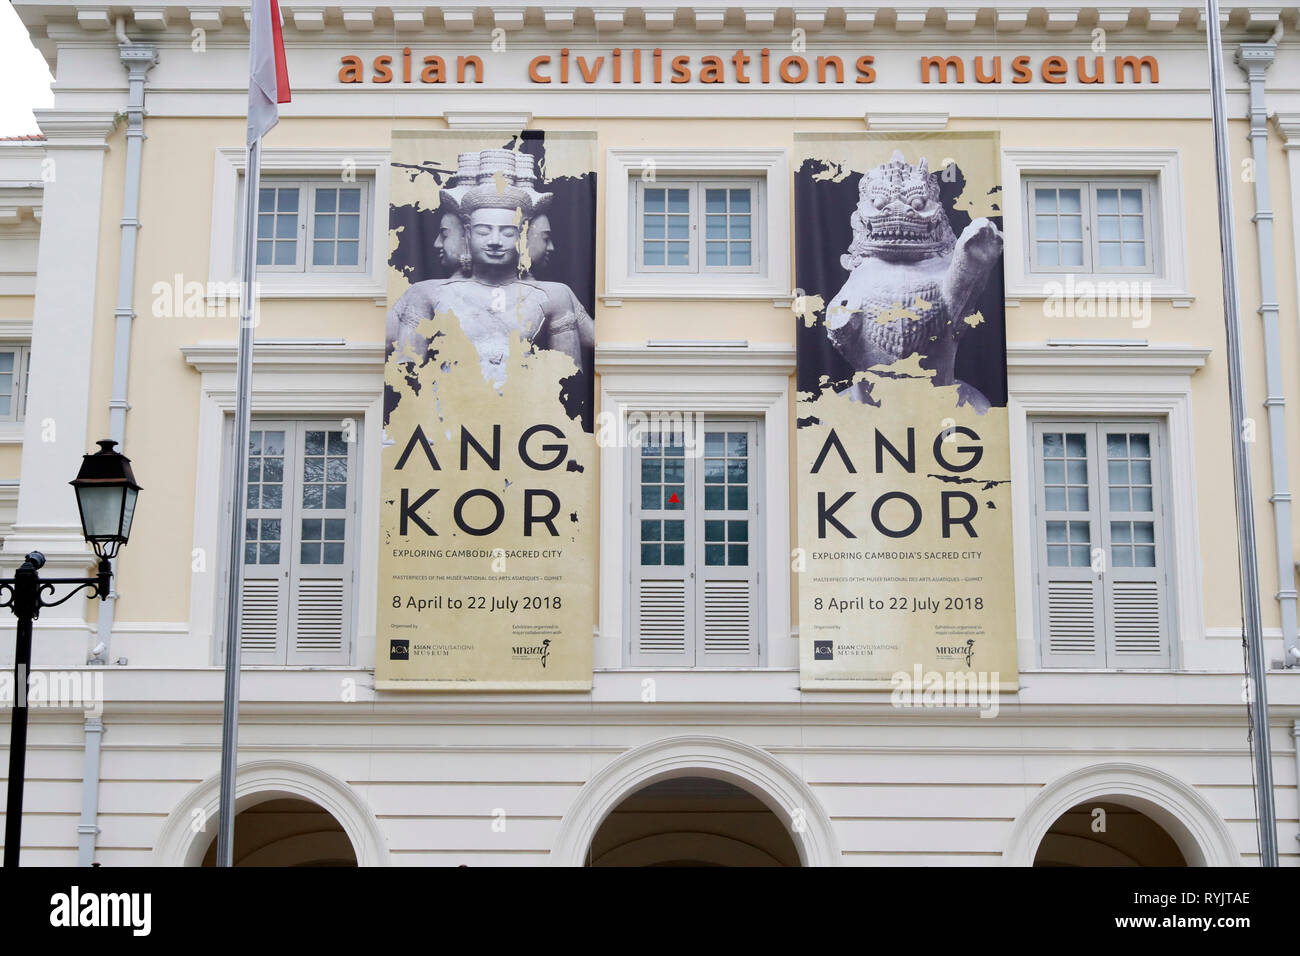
{"points": [[238, 482], [1252, 620]]}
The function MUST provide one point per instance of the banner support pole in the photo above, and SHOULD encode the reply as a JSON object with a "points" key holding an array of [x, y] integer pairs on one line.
{"points": [[239, 485]]}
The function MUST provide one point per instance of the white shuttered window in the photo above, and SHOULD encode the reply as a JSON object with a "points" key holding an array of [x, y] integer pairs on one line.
{"points": [[696, 546], [1103, 562], [298, 544]]}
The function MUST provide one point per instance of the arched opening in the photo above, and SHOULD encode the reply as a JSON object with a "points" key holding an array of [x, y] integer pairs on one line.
{"points": [[1101, 833], [287, 831], [692, 821]]}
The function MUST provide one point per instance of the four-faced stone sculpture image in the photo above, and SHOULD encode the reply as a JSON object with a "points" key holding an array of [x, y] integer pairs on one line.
{"points": [[498, 306], [911, 282]]}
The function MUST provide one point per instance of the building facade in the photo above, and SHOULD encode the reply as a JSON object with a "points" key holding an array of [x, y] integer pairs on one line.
{"points": [[1122, 739]]}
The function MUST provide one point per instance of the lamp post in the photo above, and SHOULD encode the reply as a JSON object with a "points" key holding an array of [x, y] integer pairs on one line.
{"points": [[106, 496]]}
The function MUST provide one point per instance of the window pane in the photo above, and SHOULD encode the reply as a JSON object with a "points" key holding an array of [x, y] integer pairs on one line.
{"points": [[715, 531], [654, 200], [285, 254], [349, 200], [1107, 201], [679, 200], [650, 554], [1071, 227], [674, 554], [674, 530], [1070, 200], [1046, 227], [1048, 254], [740, 200], [1131, 201], [740, 254], [651, 530], [715, 200], [651, 497], [1045, 200], [715, 555], [678, 254], [1071, 253], [325, 199], [1135, 255], [737, 555]]}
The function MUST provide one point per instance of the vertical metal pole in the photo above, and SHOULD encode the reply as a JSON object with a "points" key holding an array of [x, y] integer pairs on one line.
{"points": [[18, 738], [239, 485], [1253, 620]]}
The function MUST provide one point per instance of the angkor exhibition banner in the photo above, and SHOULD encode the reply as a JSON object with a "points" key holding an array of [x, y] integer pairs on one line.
{"points": [[488, 510], [903, 460]]}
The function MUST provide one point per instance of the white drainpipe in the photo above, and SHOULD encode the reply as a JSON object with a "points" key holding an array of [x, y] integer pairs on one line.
{"points": [[1255, 60], [138, 58]]}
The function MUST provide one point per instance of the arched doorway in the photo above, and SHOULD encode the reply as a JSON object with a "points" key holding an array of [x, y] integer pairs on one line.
{"points": [[692, 821], [287, 831], [1100, 833]]}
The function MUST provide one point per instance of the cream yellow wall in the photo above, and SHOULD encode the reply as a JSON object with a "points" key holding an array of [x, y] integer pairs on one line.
{"points": [[176, 212]]}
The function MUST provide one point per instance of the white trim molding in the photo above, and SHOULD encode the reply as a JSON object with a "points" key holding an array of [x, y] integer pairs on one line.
{"points": [[1171, 280], [1118, 381], [223, 268], [756, 771], [772, 166], [710, 379], [179, 845], [1198, 829], [289, 379]]}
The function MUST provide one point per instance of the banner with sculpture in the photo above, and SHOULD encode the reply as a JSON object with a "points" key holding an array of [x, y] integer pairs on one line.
{"points": [[488, 495], [903, 443]]}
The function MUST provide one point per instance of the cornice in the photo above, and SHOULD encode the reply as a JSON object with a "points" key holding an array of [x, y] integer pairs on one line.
{"points": [[681, 358], [558, 17], [302, 357], [75, 129], [1138, 360], [1288, 125]]}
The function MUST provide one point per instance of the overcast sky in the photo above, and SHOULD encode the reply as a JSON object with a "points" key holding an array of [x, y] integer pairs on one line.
{"points": [[24, 78]]}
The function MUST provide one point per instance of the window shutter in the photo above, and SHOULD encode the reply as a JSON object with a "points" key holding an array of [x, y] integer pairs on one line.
{"points": [[1071, 616], [727, 491], [264, 609], [1137, 626], [320, 618], [662, 558]]}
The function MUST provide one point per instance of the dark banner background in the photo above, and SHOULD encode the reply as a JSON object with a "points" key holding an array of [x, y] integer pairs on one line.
{"points": [[573, 226], [822, 211]]}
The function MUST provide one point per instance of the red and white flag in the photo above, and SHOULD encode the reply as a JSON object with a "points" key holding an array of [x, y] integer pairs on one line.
{"points": [[268, 82]]}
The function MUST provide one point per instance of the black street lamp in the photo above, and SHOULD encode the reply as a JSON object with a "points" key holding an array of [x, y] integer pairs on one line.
{"points": [[106, 495]]}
